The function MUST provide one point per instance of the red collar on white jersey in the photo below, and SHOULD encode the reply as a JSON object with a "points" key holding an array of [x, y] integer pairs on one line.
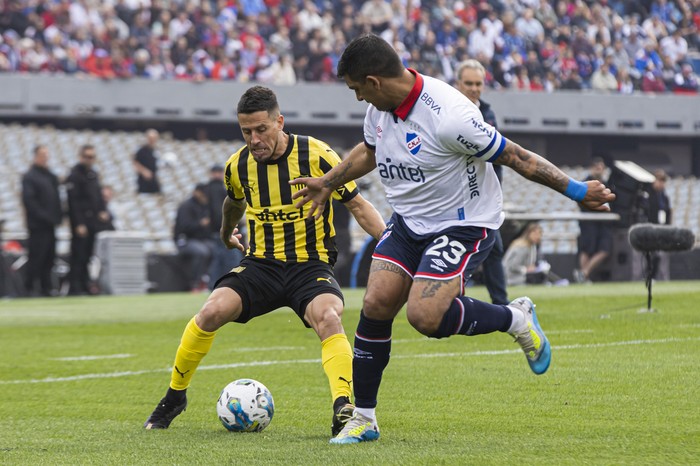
{"points": [[406, 106]]}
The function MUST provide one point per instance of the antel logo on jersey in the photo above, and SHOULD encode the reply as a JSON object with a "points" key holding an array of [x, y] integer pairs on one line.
{"points": [[413, 142], [379, 131], [402, 172], [267, 215]]}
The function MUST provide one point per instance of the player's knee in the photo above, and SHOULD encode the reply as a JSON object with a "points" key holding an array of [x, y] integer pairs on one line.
{"points": [[422, 319], [214, 314], [377, 306], [329, 318]]}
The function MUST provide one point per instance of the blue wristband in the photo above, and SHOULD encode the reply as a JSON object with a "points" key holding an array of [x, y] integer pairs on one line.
{"points": [[576, 190]]}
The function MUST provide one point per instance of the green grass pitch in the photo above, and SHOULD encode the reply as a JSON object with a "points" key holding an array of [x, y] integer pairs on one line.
{"points": [[79, 376]]}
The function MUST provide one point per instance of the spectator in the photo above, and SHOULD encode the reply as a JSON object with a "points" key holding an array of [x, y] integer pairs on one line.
{"points": [[138, 41], [481, 42], [674, 46], [572, 81], [377, 14], [523, 262], [595, 239], [192, 236], [686, 81], [652, 80], [146, 164], [620, 58], [99, 64], [668, 72], [42, 206], [530, 28], [223, 259], [86, 209], [625, 83], [603, 79], [282, 73]]}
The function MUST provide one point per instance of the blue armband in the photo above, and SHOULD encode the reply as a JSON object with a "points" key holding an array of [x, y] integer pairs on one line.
{"points": [[576, 190]]}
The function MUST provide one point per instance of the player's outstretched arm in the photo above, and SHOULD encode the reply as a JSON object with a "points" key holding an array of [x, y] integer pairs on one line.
{"points": [[232, 211], [367, 216], [358, 163], [593, 195]]}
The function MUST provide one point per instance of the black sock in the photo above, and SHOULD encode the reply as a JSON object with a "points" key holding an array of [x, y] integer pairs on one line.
{"points": [[176, 395], [372, 350], [468, 316]]}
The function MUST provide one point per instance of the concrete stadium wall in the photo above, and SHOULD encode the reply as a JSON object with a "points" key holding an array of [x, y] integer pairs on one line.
{"points": [[334, 105]]}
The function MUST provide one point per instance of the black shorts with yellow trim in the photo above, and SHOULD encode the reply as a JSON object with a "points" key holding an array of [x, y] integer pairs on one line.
{"points": [[265, 285]]}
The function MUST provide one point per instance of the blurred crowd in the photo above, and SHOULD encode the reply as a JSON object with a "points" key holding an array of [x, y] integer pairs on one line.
{"points": [[537, 45]]}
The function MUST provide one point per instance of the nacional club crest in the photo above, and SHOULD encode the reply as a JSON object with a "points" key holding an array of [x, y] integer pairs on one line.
{"points": [[413, 142]]}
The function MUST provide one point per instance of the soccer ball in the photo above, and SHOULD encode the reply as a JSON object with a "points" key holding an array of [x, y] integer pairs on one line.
{"points": [[245, 405]]}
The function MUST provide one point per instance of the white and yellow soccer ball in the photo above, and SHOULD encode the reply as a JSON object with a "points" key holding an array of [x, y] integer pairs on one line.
{"points": [[245, 405]]}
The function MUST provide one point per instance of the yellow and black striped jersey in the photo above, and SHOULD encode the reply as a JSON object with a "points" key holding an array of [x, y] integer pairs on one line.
{"points": [[277, 229]]}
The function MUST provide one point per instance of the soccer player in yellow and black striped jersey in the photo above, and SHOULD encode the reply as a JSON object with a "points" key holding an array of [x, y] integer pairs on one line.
{"points": [[290, 257]]}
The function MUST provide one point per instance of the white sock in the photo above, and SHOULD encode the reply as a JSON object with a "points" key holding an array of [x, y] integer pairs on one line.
{"points": [[367, 412], [519, 320]]}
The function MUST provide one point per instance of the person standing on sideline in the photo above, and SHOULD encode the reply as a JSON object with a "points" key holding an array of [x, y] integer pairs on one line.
{"points": [[434, 154], [470, 82], [107, 223], [223, 259], [192, 235], [659, 211], [596, 238], [87, 210], [146, 164], [290, 258], [42, 206]]}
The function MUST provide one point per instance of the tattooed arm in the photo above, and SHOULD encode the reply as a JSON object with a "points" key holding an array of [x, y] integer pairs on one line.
{"points": [[232, 211], [358, 163], [540, 170]]}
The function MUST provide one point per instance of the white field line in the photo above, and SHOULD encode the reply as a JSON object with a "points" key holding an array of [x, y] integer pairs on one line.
{"points": [[266, 348], [109, 375], [94, 358]]}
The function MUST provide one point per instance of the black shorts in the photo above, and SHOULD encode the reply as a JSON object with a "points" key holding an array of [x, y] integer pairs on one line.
{"points": [[265, 285], [595, 237]]}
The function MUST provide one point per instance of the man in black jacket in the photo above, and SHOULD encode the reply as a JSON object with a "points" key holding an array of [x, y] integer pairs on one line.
{"points": [[86, 208], [470, 81], [659, 211], [42, 206], [146, 164], [223, 259], [193, 237]]}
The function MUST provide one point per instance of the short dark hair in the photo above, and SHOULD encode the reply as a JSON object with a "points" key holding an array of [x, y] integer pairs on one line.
{"points": [[258, 99], [368, 55], [85, 147]]}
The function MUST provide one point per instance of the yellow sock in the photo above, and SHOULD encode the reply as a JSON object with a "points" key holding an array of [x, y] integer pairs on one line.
{"points": [[336, 357], [194, 345]]}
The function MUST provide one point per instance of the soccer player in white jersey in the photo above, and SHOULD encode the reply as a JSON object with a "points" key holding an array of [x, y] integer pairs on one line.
{"points": [[434, 154]]}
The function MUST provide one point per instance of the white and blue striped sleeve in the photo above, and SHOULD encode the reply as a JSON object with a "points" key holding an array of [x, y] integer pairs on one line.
{"points": [[470, 134]]}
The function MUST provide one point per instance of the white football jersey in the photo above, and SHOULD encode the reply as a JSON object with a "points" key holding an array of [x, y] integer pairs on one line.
{"points": [[433, 155]]}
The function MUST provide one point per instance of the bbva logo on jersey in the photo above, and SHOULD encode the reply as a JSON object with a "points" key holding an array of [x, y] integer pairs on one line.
{"points": [[413, 142]]}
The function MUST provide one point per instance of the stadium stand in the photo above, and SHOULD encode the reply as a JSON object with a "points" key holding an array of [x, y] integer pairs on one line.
{"points": [[184, 163], [535, 45]]}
